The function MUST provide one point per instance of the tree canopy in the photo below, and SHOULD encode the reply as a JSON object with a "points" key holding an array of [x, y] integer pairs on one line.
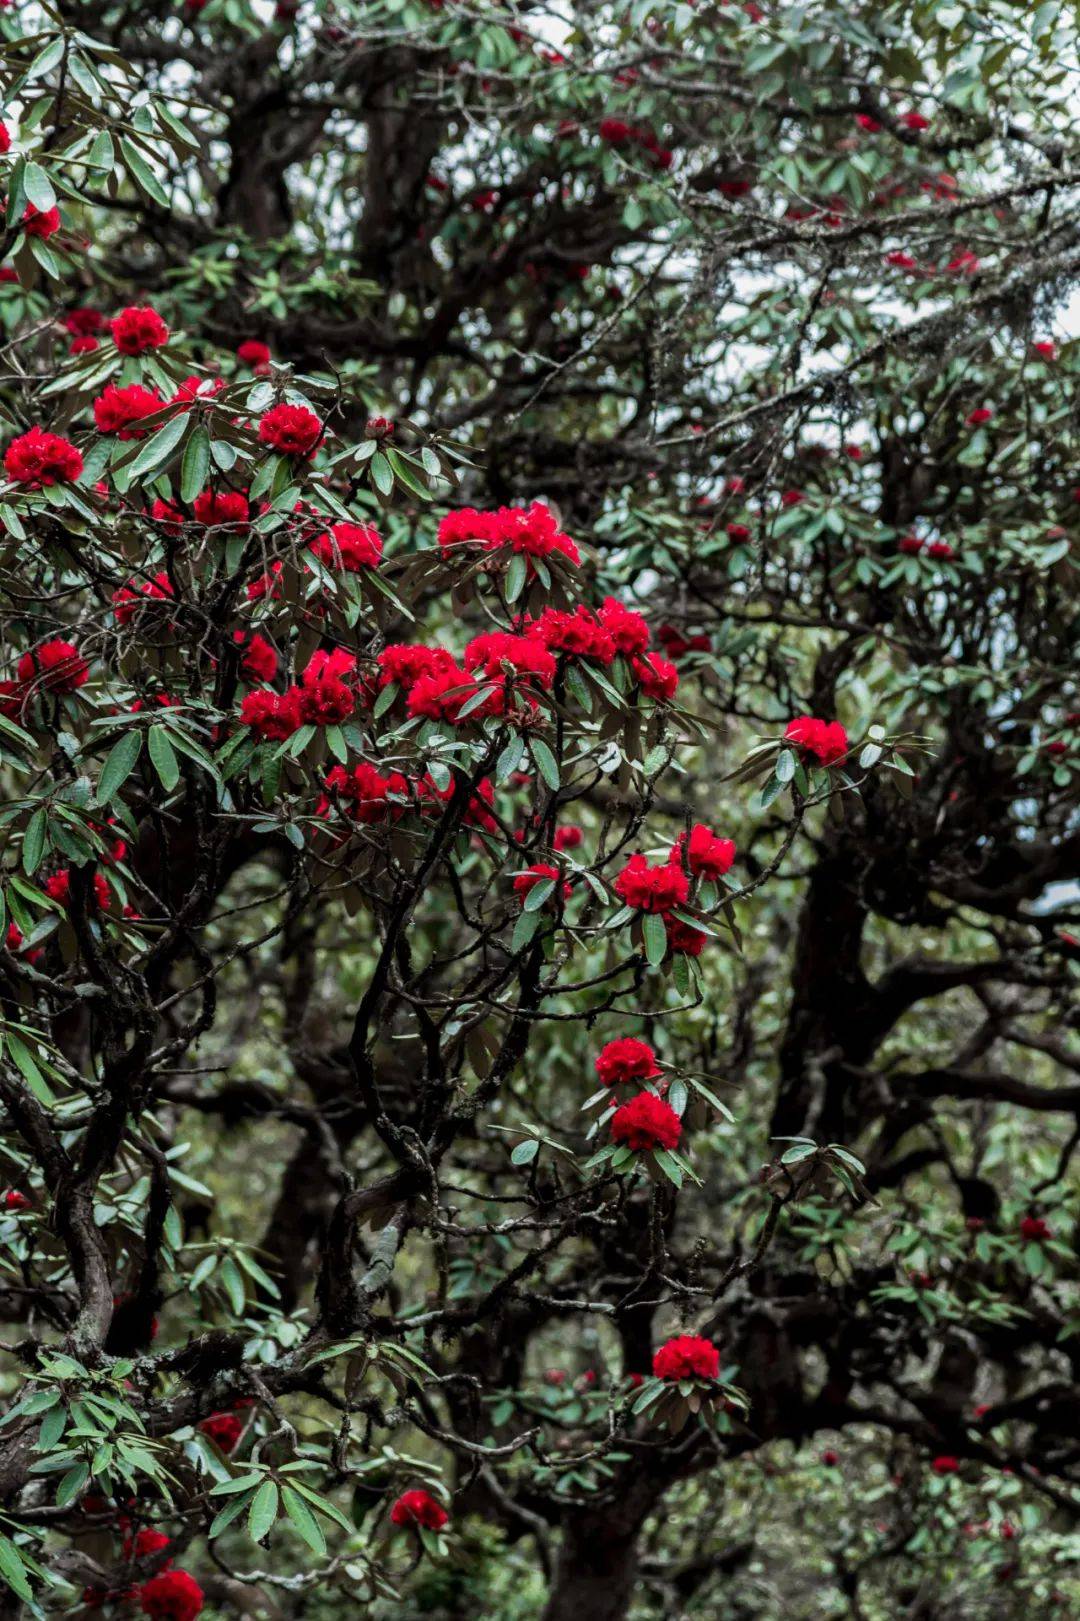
{"points": [[540, 737]]}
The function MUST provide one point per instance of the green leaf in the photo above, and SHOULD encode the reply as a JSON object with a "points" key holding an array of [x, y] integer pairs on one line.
{"points": [[33, 845], [515, 578], [14, 1571], [120, 763], [263, 1512], [38, 187], [525, 1152], [72, 1484], [163, 755], [230, 1512], [655, 935], [382, 475], [195, 468], [303, 1519], [142, 174], [546, 762], [156, 451]]}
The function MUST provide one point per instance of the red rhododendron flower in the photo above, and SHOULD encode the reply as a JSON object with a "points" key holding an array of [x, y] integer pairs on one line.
{"points": [[825, 740], [326, 701], [646, 1122], [531, 531], [138, 328], [145, 1542], [12, 699], [13, 1199], [911, 545], [964, 264], [628, 630], [171, 1595], [579, 633], [364, 792], [253, 352], [687, 1356], [901, 261], [83, 346], [498, 653], [42, 223], [477, 814], [131, 597], [58, 888], [707, 856], [37, 458], [684, 938], [83, 323], [329, 664], [5, 138], [349, 546], [615, 132], [467, 527], [657, 677], [1045, 348], [652, 888], [265, 585], [442, 694], [419, 1508], [291, 429], [945, 1465], [403, 663], [222, 506], [259, 661], [981, 414], [738, 532], [914, 121], [224, 1429], [118, 409], [528, 880], [1034, 1229], [626, 1059], [830, 1459], [165, 512], [567, 838], [55, 666], [272, 715], [196, 388], [940, 549], [870, 125]]}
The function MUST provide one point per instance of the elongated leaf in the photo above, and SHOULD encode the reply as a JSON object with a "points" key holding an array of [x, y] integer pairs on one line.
{"points": [[303, 1519], [121, 762], [263, 1512], [163, 755]]}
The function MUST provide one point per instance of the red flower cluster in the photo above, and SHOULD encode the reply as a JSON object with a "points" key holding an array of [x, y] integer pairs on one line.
{"points": [[58, 888], [364, 793], [40, 222], [646, 1122], [616, 132], [253, 352], [273, 716], [83, 323], [531, 531], [945, 1464], [536, 874], [687, 1356], [656, 677], [138, 328], [171, 1595], [55, 666], [501, 655], [652, 888], [131, 597], [419, 1508], [213, 507], [118, 409], [291, 429], [628, 630], [579, 634], [1034, 1229], [706, 855], [684, 938], [145, 1542], [224, 1429], [443, 693], [37, 458], [259, 661], [824, 740], [626, 1059], [349, 546], [403, 663]]}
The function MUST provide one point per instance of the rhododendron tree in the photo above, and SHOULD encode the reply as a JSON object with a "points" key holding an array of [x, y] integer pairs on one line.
{"points": [[540, 734]]}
